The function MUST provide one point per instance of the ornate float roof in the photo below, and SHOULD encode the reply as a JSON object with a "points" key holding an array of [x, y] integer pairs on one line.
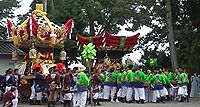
{"points": [[106, 43], [39, 29]]}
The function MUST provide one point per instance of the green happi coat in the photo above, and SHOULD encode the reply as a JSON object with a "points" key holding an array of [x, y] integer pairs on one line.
{"points": [[130, 76], [148, 77], [183, 78], [167, 81], [113, 78], [107, 80], [141, 75], [123, 78], [171, 76], [103, 77], [83, 79], [158, 78], [119, 78]]}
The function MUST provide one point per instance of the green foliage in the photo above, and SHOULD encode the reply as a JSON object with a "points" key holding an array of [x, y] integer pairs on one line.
{"points": [[6, 11], [97, 14], [89, 51], [7, 8]]}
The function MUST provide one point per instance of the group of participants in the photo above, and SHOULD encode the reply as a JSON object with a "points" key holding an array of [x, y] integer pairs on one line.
{"points": [[116, 84]]}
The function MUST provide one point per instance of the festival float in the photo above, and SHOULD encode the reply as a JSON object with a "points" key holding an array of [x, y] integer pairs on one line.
{"points": [[38, 37], [110, 49]]}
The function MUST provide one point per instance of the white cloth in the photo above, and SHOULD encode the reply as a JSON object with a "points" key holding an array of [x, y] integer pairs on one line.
{"points": [[33, 93], [124, 90], [139, 94], [82, 98], [67, 96], [75, 99], [96, 95], [165, 92], [113, 92], [148, 95], [7, 88], [194, 86], [158, 93], [106, 92], [39, 96], [182, 90], [15, 102], [119, 92], [129, 94]]}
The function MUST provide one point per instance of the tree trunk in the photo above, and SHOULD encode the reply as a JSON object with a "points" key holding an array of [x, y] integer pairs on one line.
{"points": [[92, 30], [171, 35]]}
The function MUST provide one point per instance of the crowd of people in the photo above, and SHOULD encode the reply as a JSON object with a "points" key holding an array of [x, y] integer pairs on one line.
{"points": [[116, 84]]}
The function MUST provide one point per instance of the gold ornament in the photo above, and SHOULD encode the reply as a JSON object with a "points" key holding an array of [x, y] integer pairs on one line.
{"points": [[63, 55], [129, 62], [14, 55], [16, 41], [107, 60], [53, 39], [33, 53]]}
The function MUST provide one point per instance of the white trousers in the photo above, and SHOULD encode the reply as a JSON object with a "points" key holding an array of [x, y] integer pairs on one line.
{"points": [[139, 94], [157, 94], [34, 95], [15, 102], [165, 92], [129, 93], [82, 99], [96, 95], [113, 92], [75, 99], [61, 97], [106, 92], [119, 92], [124, 90], [182, 91], [148, 95], [171, 91], [67, 96]]}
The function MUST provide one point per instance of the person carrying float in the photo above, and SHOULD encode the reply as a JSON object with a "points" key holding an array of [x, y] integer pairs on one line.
{"points": [[158, 81], [37, 86], [148, 89], [103, 78], [124, 88], [107, 87], [75, 76], [183, 81], [66, 89], [167, 85], [113, 81], [9, 79], [171, 90], [82, 87], [9, 98], [139, 85], [53, 80], [96, 84], [130, 78], [119, 85]]}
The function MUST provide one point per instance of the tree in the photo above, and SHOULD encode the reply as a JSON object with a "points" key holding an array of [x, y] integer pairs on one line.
{"points": [[93, 14], [171, 35], [6, 11]]}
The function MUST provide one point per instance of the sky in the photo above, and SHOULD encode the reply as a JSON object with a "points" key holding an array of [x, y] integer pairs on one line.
{"points": [[135, 55]]}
